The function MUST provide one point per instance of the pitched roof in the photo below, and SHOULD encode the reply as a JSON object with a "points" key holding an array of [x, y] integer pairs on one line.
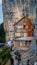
{"points": [[21, 19]]}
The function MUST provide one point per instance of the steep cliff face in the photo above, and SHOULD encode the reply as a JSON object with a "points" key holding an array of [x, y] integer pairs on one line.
{"points": [[14, 10]]}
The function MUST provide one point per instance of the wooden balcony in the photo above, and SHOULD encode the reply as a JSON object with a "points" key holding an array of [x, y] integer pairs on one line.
{"points": [[25, 38]]}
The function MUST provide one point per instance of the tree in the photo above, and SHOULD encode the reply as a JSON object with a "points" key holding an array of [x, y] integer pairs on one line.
{"points": [[2, 34]]}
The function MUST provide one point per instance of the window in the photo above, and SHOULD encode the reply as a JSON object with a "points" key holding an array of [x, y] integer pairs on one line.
{"points": [[25, 34], [20, 44], [24, 26], [17, 34], [19, 27]]}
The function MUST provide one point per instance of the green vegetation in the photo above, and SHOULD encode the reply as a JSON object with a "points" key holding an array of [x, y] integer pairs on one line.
{"points": [[4, 51], [4, 54], [2, 34], [8, 63]]}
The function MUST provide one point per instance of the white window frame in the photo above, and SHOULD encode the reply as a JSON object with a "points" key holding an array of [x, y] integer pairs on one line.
{"points": [[19, 27], [17, 34], [20, 44], [25, 34]]}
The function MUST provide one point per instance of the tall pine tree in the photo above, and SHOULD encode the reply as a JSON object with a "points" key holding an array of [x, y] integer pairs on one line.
{"points": [[2, 34]]}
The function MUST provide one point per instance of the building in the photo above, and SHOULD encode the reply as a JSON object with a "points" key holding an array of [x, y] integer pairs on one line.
{"points": [[23, 32], [13, 11]]}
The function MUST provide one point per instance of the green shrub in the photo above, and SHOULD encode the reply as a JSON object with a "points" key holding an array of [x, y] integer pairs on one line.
{"points": [[5, 53]]}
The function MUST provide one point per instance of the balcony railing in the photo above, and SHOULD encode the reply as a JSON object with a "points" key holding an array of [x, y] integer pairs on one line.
{"points": [[25, 38]]}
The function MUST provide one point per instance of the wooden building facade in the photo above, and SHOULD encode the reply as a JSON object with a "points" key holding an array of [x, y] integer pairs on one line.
{"points": [[23, 32]]}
